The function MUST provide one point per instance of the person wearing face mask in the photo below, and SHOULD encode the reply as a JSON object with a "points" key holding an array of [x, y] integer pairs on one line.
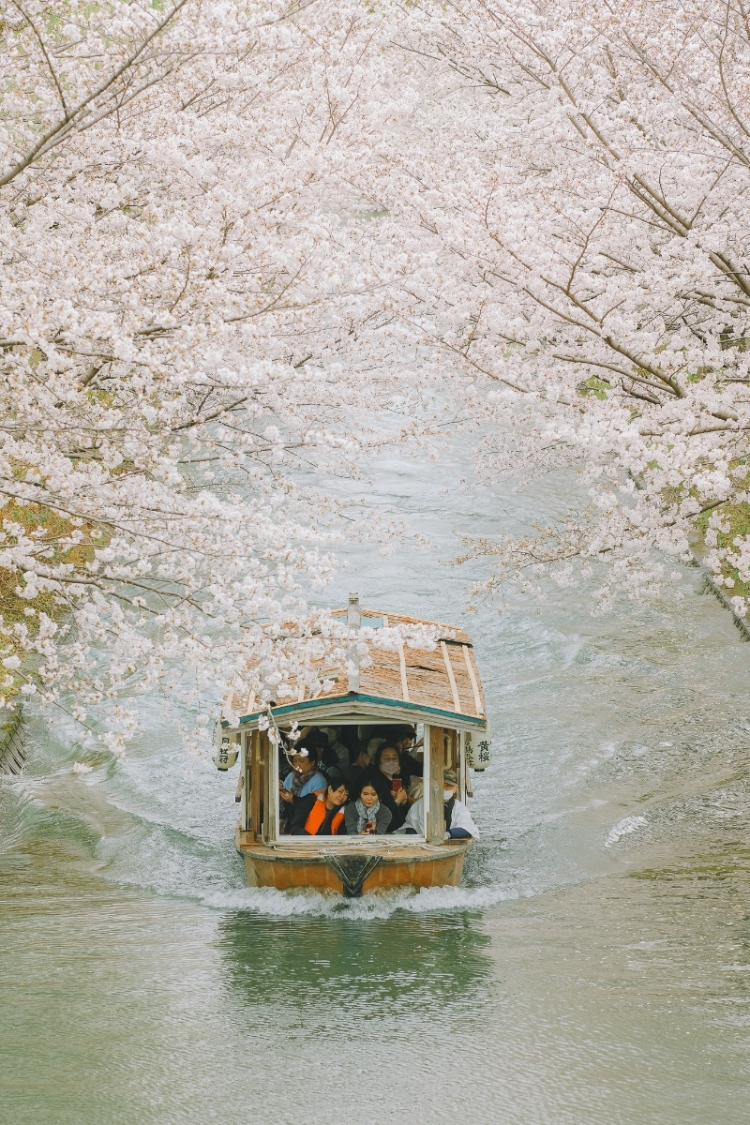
{"points": [[304, 779], [458, 821], [390, 782], [367, 816], [403, 738], [459, 824]]}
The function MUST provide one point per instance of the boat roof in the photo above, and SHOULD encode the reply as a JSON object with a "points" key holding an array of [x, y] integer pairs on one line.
{"points": [[440, 685]]}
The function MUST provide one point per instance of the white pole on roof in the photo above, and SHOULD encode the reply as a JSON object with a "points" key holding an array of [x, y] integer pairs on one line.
{"points": [[354, 621], [354, 613]]}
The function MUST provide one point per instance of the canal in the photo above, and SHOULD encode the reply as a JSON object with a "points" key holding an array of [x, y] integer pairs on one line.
{"points": [[593, 970]]}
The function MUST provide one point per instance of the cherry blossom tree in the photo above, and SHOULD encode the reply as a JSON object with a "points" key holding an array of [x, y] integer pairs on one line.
{"points": [[192, 314], [584, 170], [237, 237]]}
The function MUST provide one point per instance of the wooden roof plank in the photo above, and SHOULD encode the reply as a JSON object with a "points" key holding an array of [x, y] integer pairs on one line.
{"points": [[473, 678], [451, 677], [404, 681]]}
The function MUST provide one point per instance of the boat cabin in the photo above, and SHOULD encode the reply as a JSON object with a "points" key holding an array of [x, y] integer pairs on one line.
{"points": [[433, 694]]}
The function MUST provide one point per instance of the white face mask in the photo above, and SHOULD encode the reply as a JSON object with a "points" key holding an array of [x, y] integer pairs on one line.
{"points": [[447, 794]]}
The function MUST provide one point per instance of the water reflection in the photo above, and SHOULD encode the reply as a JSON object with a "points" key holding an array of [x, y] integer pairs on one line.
{"points": [[400, 964]]}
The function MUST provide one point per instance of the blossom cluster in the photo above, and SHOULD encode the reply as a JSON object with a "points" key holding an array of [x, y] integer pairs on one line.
{"points": [[581, 170], [192, 321], [244, 244]]}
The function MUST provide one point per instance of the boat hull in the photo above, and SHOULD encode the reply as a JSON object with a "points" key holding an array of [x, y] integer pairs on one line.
{"points": [[352, 869]]}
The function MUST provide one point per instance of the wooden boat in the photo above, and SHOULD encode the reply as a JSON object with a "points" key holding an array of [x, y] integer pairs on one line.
{"points": [[438, 692]]}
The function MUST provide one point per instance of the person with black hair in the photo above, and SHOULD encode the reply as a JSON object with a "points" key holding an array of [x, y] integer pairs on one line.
{"points": [[315, 739], [332, 748], [336, 755], [358, 763], [390, 779], [402, 737], [367, 816], [304, 779], [321, 814]]}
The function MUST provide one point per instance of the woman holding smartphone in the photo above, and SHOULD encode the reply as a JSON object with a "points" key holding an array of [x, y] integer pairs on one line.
{"points": [[390, 778], [366, 816]]}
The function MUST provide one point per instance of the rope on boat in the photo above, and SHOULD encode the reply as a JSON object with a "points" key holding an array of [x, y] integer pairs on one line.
{"points": [[280, 738]]}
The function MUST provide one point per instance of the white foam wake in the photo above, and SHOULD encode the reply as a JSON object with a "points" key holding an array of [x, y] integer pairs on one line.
{"points": [[273, 903]]}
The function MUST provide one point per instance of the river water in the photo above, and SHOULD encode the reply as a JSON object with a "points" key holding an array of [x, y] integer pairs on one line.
{"points": [[593, 969]]}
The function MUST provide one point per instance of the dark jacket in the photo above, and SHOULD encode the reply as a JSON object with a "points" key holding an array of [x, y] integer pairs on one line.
{"points": [[382, 819], [413, 767]]}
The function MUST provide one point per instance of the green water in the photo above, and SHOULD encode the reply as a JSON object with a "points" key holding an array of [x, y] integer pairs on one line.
{"points": [[594, 968]]}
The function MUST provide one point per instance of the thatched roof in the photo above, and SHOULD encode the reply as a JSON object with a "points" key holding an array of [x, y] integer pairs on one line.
{"points": [[411, 683]]}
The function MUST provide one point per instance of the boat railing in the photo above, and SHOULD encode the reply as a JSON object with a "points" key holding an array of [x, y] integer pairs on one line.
{"points": [[351, 843]]}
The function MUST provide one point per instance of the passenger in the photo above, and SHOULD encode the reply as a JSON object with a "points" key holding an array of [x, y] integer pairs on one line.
{"points": [[373, 746], [403, 739], [304, 779], [414, 822], [337, 751], [367, 816], [366, 732], [328, 759], [415, 790], [390, 780], [358, 763], [358, 759], [321, 814], [459, 824]]}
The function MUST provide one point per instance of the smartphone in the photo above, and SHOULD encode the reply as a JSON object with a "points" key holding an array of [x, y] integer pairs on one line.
{"points": [[370, 825], [396, 784]]}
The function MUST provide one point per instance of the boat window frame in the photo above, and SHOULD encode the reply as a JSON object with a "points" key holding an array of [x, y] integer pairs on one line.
{"points": [[402, 840]]}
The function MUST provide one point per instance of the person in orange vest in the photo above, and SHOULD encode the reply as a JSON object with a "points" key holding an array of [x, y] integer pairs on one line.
{"points": [[321, 814]]}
